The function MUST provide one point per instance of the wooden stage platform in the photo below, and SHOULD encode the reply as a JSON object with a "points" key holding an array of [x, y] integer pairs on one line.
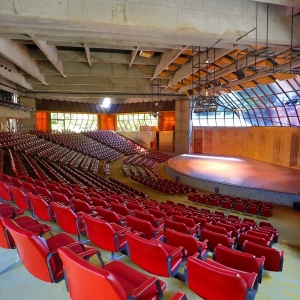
{"points": [[238, 176]]}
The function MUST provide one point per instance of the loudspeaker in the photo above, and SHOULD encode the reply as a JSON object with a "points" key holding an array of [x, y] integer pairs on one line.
{"points": [[296, 205], [240, 74], [190, 92]]}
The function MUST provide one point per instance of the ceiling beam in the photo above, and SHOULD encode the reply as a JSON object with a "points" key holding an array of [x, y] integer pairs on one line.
{"points": [[15, 78], [8, 86], [166, 59], [292, 3], [88, 54], [50, 52], [20, 56], [187, 69], [133, 55], [289, 11]]}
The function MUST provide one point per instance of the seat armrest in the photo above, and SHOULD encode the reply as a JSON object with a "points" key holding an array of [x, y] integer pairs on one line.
{"points": [[176, 251], [252, 280], [145, 286]]}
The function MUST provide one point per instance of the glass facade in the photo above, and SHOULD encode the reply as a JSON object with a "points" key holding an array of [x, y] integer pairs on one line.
{"points": [[275, 104], [133, 122], [73, 122]]}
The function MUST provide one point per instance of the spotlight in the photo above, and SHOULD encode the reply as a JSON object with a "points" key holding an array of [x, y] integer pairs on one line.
{"points": [[240, 74], [207, 60]]}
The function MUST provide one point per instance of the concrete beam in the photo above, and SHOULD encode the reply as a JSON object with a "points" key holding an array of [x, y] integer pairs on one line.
{"points": [[16, 78], [8, 86], [98, 70], [19, 55], [289, 11], [50, 52], [133, 56], [292, 3], [93, 80], [93, 88], [166, 59], [100, 57], [88, 54]]}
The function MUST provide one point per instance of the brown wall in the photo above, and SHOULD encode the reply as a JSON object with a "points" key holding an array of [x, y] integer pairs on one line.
{"points": [[277, 145]]}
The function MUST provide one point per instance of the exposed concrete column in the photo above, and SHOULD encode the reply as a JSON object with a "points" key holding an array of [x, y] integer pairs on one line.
{"points": [[183, 127], [3, 124], [28, 123]]}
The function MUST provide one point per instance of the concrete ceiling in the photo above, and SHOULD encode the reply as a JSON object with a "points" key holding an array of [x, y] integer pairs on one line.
{"points": [[89, 50]]}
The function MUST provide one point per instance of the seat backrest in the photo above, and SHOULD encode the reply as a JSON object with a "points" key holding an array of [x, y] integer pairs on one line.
{"points": [[40, 183], [32, 251], [236, 259], [52, 187], [216, 283], [119, 208], [43, 191], [228, 227], [145, 216], [80, 196], [81, 274], [176, 239], [81, 206], [181, 227], [66, 192], [259, 234], [65, 217], [187, 221], [215, 228], [141, 251], [4, 243], [214, 238], [40, 207], [140, 225], [99, 202], [4, 192], [59, 197], [255, 239], [100, 232], [16, 182], [20, 198], [273, 258], [157, 213], [108, 215], [29, 187]]}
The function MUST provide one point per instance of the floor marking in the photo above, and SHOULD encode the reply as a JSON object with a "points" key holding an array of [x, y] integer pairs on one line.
{"points": [[289, 276], [294, 296], [291, 285], [287, 269]]}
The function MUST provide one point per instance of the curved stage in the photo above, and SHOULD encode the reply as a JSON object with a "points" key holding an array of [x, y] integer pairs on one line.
{"points": [[237, 176]]}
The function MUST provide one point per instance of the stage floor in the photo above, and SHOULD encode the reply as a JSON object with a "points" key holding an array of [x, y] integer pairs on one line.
{"points": [[237, 171]]}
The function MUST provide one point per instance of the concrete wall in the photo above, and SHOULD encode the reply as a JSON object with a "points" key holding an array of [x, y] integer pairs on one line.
{"points": [[183, 129], [143, 138], [277, 145], [28, 123]]}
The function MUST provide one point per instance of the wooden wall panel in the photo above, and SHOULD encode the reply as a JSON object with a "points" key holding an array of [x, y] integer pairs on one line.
{"points": [[270, 144]]}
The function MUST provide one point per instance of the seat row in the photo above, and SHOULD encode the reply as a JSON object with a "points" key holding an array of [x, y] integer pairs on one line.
{"points": [[250, 206]]}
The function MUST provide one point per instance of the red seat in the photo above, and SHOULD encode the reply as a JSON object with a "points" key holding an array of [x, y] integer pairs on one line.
{"points": [[59, 197], [44, 192], [81, 206], [145, 227], [108, 236], [268, 236], [273, 258], [211, 283], [218, 229], [168, 259], [216, 238], [189, 243], [40, 208], [120, 209], [181, 227], [68, 220], [39, 257], [110, 216], [114, 280], [9, 212], [255, 239], [239, 260], [188, 222], [4, 192], [155, 222], [20, 198]]}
